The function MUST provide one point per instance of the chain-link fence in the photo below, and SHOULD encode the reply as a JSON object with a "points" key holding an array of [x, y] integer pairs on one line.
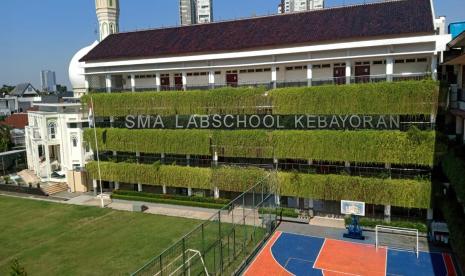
{"points": [[222, 244]]}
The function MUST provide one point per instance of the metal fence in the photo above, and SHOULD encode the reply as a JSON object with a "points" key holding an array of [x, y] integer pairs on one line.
{"points": [[222, 244]]}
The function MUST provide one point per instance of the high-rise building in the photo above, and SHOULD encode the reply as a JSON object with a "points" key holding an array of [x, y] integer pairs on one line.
{"points": [[195, 11], [108, 17], [48, 81], [299, 5]]}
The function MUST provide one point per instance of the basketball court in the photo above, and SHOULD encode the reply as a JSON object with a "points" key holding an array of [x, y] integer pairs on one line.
{"points": [[296, 254]]}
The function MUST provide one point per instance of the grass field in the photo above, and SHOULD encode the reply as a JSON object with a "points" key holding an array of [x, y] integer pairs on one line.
{"points": [[59, 239]]}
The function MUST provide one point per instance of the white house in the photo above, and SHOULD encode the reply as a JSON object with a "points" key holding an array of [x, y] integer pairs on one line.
{"points": [[54, 141]]}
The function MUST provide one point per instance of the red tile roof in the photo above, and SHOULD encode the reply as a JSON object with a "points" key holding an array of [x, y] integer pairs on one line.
{"points": [[386, 19], [17, 120]]}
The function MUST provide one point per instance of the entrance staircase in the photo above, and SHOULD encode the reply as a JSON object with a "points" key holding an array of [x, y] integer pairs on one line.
{"points": [[54, 188]]}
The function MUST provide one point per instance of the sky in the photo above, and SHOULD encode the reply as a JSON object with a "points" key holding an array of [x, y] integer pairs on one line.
{"points": [[40, 35]]}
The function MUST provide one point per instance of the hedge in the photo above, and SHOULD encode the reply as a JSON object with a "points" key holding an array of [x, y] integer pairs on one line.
{"points": [[403, 98], [195, 142], [173, 176], [285, 212], [169, 201], [367, 146], [216, 101], [371, 223], [396, 192], [454, 168], [406, 97]]}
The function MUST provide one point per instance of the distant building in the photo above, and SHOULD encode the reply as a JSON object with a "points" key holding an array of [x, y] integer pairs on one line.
{"points": [[24, 95], [195, 11], [48, 81], [299, 5]]}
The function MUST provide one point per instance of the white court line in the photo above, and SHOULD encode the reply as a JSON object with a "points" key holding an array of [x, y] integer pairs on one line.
{"points": [[321, 249], [272, 256]]}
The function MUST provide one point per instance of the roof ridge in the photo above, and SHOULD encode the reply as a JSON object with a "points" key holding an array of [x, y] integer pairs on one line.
{"points": [[375, 2]]}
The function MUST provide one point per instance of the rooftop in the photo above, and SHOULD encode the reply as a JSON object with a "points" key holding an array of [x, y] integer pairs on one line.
{"points": [[376, 20]]}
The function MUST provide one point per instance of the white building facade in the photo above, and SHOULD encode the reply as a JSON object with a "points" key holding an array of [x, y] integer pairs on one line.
{"points": [[195, 11], [299, 5], [54, 140]]}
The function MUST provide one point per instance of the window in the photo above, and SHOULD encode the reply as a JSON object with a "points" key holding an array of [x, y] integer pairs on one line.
{"points": [[328, 65], [400, 61], [317, 66], [259, 70], [110, 3], [203, 73], [410, 60], [298, 68], [242, 71], [189, 74], [217, 72], [377, 62], [52, 130], [74, 141], [250, 70], [422, 59], [73, 125], [267, 70]]}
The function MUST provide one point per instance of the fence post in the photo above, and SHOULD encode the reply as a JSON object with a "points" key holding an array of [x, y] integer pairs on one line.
{"points": [[220, 242], [184, 255], [161, 265]]}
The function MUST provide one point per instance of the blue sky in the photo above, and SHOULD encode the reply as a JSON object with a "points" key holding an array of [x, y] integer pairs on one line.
{"points": [[44, 34]]}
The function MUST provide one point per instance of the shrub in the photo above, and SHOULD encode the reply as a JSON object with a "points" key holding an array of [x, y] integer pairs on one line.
{"points": [[173, 197], [367, 146], [170, 201], [396, 192], [454, 169], [371, 223]]}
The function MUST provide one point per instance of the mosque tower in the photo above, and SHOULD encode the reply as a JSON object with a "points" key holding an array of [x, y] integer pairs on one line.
{"points": [[108, 17]]}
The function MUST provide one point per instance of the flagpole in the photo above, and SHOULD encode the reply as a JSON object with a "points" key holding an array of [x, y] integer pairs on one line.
{"points": [[98, 157]]}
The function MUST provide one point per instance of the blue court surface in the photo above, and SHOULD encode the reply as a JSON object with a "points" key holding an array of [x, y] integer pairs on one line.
{"points": [[294, 254]]}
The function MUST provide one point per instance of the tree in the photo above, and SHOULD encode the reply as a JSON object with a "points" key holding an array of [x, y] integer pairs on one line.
{"points": [[17, 269], [62, 88], [6, 89], [5, 139]]}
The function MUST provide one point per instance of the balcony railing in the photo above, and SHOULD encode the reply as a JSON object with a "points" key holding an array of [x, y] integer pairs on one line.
{"points": [[270, 84]]}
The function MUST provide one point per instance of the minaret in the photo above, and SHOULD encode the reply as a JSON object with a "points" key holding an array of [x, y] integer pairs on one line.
{"points": [[108, 17]]}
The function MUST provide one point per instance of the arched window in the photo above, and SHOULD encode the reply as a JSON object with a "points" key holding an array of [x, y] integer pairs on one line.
{"points": [[104, 29], [74, 141], [52, 130], [110, 3], [112, 29]]}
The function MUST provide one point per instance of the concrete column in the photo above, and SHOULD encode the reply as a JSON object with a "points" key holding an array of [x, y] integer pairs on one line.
{"points": [[184, 81], [211, 79], [188, 159], [274, 76], [310, 207], [277, 199], [309, 74], [459, 126], [389, 68], [86, 84], [189, 191], [112, 121], [215, 158], [108, 82], [157, 81], [310, 162], [116, 185], [139, 187], [164, 189], [133, 82], [429, 214], [434, 67], [47, 161], [94, 185], [387, 213], [348, 71], [216, 193], [162, 157]]}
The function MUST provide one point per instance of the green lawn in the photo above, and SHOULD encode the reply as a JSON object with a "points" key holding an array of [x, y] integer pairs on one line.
{"points": [[59, 239]]}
